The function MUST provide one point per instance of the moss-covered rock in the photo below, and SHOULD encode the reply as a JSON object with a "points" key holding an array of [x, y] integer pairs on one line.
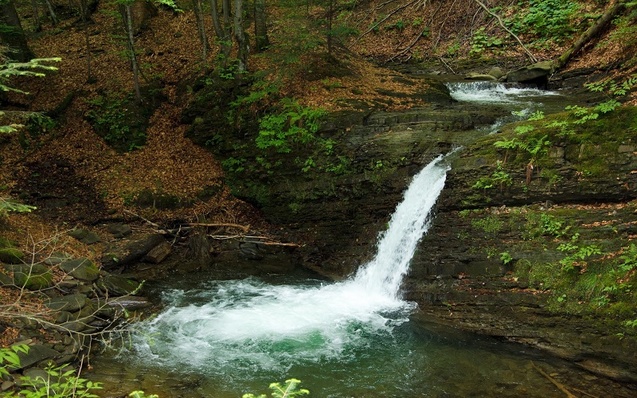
{"points": [[11, 255], [30, 276]]}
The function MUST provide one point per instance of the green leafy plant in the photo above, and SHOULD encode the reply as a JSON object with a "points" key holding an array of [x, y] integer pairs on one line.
{"points": [[288, 390], [293, 124], [141, 394], [576, 254], [9, 357], [112, 118], [506, 258], [59, 382], [489, 224], [628, 259], [31, 68], [480, 42], [499, 177], [8, 205], [547, 19]]}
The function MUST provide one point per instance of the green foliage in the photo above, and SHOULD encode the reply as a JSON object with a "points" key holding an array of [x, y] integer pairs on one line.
{"points": [[59, 382], [613, 88], [576, 253], [288, 390], [629, 259], [480, 42], [537, 115], [292, 125], [547, 19], [506, 258], [115, 119], [488, 224], [9, 357], [32, 68], [7, 205], [499, 178], [141, 394]]}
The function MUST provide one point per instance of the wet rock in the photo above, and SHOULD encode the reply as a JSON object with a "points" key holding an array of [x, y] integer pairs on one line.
{"points": [[119, 230], [129, 303], [537, 73], [11, 255], [496, 72], [70, 303], [480, 76], [56, 258], [32, 277], [37, 353], [132, 252], [85, 236], [115, 285], [81, 268], [7, 385], [5, 279], [36, 373]]}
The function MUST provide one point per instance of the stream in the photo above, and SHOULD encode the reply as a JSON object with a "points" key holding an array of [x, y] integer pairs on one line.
{"points": [[355, 338]]}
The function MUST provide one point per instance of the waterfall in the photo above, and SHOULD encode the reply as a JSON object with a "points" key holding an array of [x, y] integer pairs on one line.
{"points": [[485, 92], [248, 324], [407, 226]]}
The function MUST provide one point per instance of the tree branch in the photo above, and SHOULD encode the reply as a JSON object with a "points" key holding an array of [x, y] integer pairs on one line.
{"points": [[526, 51]]}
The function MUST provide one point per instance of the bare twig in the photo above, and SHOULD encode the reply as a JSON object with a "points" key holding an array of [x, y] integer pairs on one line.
{"points": [[496, 16], [146, 220], [394, 11], [446, 65], [557, 384], [245, 228]]}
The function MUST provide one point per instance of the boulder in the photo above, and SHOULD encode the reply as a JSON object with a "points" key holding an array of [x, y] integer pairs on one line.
{"points": [[134, 251], [57, 258], [85, 236], [69, 303], [537, 73], [119, 230], [37, 353], [81, 268], [496, 72], [480, 76], [30, 276], [11, 255], [116, 285]]}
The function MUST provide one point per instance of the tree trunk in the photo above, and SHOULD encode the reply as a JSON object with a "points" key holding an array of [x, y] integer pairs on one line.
{"points": [[260, 27], [216, 23], [12, 34], [36, 16], [330, 17], [201, 29], [239, 36], [128, 27], [226, 40], [54, 18], [590, 33]]}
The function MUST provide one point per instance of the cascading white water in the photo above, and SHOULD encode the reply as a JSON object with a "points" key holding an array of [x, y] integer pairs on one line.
{"points": [[494, 92], [408, 224], [247, 325]]}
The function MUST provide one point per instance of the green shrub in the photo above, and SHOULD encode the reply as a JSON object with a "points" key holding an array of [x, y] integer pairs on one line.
{"points": [[289, 390]]}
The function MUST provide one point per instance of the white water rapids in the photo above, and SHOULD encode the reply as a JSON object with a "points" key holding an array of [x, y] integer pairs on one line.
{"points": [[252, 325]]}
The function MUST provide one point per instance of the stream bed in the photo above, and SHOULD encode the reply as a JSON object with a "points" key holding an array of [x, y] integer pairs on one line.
{"points": [[218, 337]]}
